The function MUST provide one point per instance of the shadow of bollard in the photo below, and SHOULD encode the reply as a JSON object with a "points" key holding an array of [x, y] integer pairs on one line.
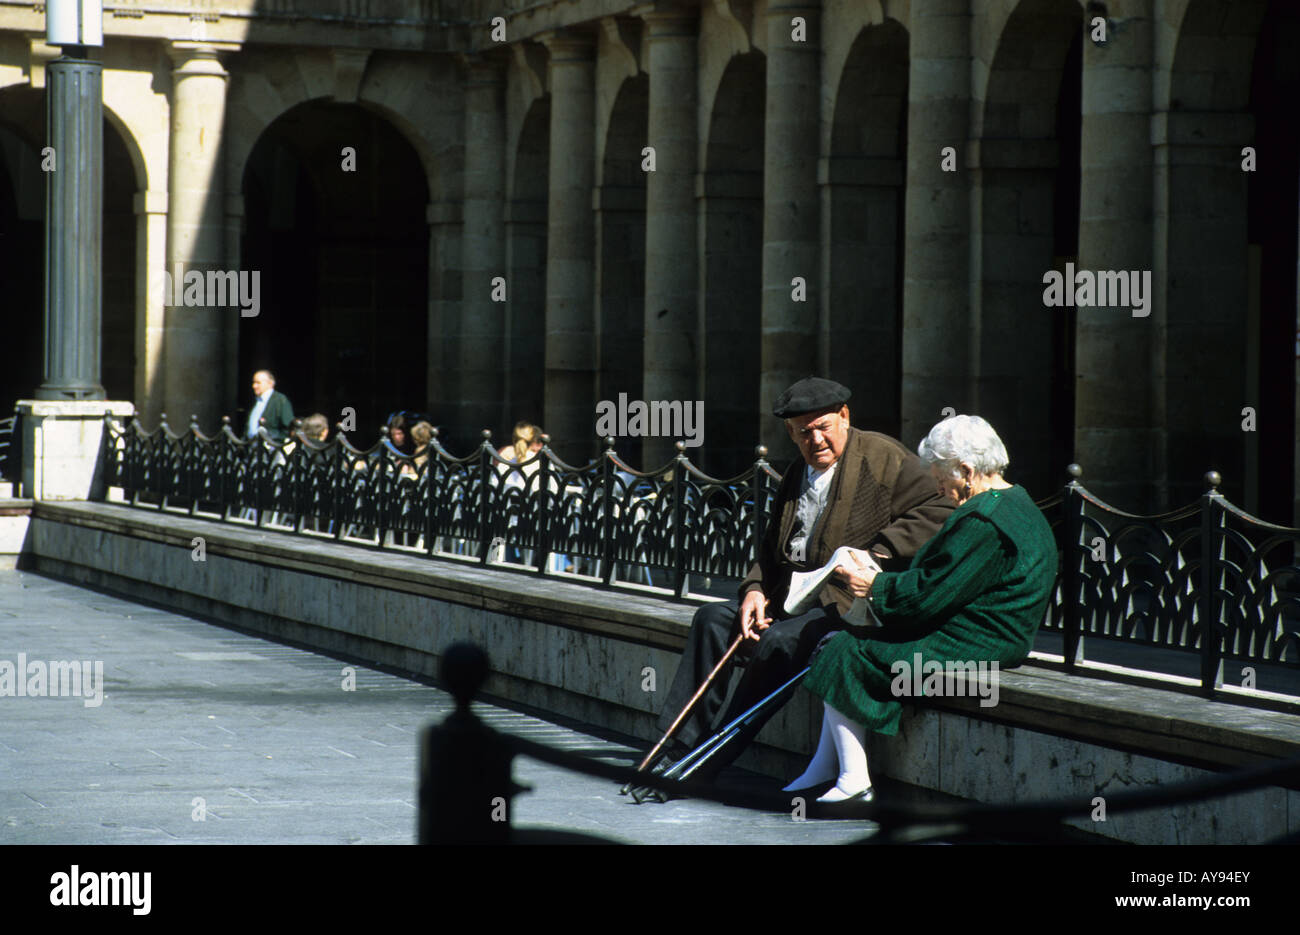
{"points": [[465, 770], [465, 767]]}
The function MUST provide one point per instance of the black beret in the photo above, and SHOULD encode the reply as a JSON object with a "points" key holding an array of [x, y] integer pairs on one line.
{"points": [[811, 394]]}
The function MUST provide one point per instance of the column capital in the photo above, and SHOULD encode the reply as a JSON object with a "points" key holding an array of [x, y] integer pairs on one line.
{"points": [[199, 58], [38, 56], [669, 19], [150, 202], [484, 68], [569, 44], [785, 8]]}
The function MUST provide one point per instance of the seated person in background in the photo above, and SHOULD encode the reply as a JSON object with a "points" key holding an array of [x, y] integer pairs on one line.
{"points": [[526, 442], [316, 427], [975, 592], [850, 487], [397, 434], [421, 435]]}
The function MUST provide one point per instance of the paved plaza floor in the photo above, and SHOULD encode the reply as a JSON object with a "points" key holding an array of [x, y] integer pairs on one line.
{"points": [[262, 742]]}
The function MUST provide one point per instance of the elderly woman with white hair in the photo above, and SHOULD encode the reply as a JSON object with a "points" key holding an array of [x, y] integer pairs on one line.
{"points": [[975, 592]]}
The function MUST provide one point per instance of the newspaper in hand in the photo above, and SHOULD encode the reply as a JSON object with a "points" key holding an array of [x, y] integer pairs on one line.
{"points": [[806, 585]]}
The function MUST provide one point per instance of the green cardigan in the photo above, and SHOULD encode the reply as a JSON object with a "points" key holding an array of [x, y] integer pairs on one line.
{"points": [[975, 592]]}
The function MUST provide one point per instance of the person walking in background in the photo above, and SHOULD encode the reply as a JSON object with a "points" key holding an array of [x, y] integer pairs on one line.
{"points": [[270, 404]]}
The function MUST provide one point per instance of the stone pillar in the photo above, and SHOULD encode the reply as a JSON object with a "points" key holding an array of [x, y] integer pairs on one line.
{"points": [[482, 321], [61, 446], [1199, 314], [150, 261], [74, 223], [791, 226], [570, 248], [936, 264], [233, 389], [672, 312], [445, 292], [1119, 376], [194, 336]]}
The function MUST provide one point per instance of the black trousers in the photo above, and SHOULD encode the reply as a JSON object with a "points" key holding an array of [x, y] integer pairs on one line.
{"points": [[782, 650]]}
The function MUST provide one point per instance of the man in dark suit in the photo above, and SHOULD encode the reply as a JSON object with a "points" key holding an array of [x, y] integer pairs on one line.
{"points": [[854, 488], [270, 404]]}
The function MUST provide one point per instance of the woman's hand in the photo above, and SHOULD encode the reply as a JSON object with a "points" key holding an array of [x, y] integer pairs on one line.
{"points": [[857, 579]]}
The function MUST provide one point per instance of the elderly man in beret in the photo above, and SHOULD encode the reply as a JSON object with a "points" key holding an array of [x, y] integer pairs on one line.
{"points": [[854, 488]]}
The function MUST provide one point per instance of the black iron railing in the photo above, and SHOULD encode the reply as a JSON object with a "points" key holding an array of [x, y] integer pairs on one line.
{"points": [[604, 518], [1207, 578], [9, 466]]}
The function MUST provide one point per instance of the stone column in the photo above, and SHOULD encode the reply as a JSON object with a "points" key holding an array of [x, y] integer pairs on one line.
{"points": [[937, 218], [150, 261], [482, 321], [1201, 296], [791, 226], [672, 312], [232, 383], [74, 224], [444, 218], [570, 248], [1119, 375], [194, 336]]}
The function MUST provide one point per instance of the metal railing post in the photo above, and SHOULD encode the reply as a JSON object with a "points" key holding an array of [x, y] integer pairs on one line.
{"points": [[679, 521], [1212, 539], [544, 510], [1072, 557], [484, 489], [607, 512]]}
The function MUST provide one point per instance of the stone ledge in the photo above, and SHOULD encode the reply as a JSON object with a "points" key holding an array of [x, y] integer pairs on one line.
{"points": [[621, 613], [1151, 722]]}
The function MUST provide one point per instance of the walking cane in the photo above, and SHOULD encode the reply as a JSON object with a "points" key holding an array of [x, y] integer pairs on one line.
{"points": [[684, 768], [690, 706]]}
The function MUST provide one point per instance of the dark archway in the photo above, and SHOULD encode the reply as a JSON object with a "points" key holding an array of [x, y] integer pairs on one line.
{"points": [[733, 265], [1028, 216], [620, 234], [1274, 193], [863, 205], [22, 252], [343, 257], [526, 255]]}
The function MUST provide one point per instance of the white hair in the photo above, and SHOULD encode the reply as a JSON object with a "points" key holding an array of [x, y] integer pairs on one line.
{"points": [[964, 439]]}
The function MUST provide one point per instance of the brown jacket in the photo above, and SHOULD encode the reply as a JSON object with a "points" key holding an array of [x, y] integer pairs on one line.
{"points": [[881, 498]]}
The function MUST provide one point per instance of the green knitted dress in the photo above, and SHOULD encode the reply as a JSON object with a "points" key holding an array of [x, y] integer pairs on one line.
{"points": [[977, 591]]}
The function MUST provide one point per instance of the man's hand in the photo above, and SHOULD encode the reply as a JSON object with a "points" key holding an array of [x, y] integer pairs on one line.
{"points": [[753, 615]]}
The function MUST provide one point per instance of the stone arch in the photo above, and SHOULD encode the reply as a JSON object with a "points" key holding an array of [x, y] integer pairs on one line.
{"points": [[342, 257], [862, 217], [267, 86], [22, 224], [620, 240], [1024, 222], [731, 270]]}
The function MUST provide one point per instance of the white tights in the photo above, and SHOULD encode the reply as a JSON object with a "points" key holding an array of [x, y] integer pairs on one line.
{"points": [[840, 756]]}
